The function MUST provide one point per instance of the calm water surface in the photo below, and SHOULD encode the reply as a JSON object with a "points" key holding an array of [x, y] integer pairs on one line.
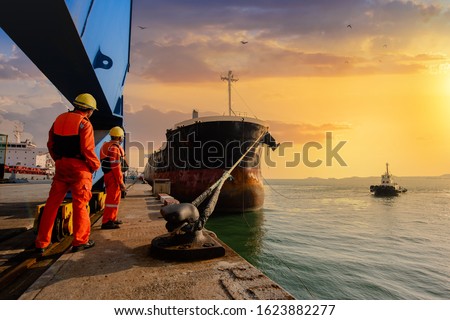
{"points": [[331, 239]]}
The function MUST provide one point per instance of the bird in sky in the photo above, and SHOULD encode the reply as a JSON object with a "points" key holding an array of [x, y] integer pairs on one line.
{"points": [[385, 45], [244, 42], [349, 26], [142, 28]]}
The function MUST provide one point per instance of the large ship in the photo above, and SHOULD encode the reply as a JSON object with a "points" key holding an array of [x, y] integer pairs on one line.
{"points": [[198, 151], [24, 161], [388, 187]]}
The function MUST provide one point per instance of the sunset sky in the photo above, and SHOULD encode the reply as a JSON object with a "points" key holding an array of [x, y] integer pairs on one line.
{"points": [[375, 73]]}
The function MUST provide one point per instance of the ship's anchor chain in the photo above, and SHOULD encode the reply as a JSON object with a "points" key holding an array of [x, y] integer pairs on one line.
{"points": [[187, 238]]}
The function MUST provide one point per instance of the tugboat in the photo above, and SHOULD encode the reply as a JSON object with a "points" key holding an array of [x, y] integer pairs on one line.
{"points": [[388, 187]]}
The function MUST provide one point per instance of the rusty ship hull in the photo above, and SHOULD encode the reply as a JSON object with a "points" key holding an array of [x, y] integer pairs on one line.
{"points": [[197, 153]]}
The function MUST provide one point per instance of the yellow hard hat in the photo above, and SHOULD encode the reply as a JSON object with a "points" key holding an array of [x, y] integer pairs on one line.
{"points": [[85, 101], [116, 132]]}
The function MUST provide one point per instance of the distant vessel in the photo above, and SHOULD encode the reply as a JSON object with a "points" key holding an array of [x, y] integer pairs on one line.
{"points": [[388, 187], [25, 161], [199, 150]]}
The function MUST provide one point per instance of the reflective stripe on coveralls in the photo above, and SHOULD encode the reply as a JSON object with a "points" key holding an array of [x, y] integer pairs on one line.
{"points": [[113, 179]]}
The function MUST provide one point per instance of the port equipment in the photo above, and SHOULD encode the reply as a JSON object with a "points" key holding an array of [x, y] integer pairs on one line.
{"points": [[63, 225], [80, 46]]}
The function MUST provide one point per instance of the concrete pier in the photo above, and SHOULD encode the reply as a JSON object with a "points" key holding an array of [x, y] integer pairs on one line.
{"points": [[119, 267]]}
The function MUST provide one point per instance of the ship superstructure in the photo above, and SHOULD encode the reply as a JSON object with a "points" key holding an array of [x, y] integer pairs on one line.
{"points": [[199, 150], [387, 187]]}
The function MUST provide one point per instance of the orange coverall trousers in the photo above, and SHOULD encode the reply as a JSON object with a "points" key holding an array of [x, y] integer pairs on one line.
{"points": [[112, 201], [70, 175]]}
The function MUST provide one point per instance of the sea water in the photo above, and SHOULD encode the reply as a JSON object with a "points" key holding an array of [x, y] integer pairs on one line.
{"points": [[331, 239]]}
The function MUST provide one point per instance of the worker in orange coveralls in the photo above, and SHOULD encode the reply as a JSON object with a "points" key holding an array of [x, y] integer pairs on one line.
{"points": [[112, 156], [71, 145]]}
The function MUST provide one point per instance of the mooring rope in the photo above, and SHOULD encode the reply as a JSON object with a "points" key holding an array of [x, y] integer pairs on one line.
{"points": [[270, 186], [279, 259], [225, 175], [283, 263], [296, 275], [217, 186]]}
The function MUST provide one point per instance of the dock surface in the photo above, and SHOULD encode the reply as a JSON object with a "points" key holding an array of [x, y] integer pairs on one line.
{"points": [[120, 267]]}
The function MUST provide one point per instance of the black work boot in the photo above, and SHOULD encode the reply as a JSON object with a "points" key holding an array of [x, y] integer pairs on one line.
{"points": [[85, 246], [110, 225]]}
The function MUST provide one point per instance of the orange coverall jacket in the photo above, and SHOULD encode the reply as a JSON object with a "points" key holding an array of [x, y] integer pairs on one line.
{"points": [[71, 144], [111, 155]]}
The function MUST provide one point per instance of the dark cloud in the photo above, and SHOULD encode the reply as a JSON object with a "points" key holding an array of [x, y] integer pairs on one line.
{"points": [[196, 63], [284, 18], [408, 11], [189, 41], [194, 40], [430, 11], [172, 63], [278, 16]]}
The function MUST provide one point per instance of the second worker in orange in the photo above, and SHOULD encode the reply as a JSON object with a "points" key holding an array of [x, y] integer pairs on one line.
{"points": [[112, 157]]}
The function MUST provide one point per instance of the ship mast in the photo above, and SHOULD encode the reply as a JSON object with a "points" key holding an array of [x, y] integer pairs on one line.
{"points": [[17, 131], [387, 169], [229, 78]]}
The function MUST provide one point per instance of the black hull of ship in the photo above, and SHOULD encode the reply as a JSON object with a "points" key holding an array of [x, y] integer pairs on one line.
{"points": [[196, 156], [385, 191]]}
